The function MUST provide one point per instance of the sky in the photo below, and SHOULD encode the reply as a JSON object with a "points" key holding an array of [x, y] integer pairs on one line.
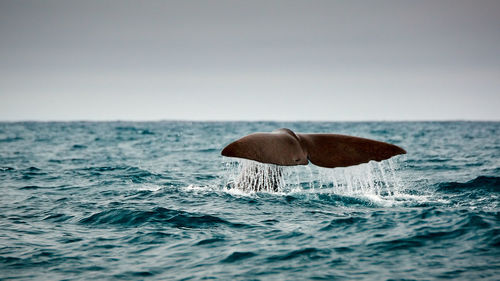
{"points": [[250, 60]]}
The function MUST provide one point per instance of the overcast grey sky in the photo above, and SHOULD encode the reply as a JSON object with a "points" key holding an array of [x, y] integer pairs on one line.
{"points": [[249, 60]]}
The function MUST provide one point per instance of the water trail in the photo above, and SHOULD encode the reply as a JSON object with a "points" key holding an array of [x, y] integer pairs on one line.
{"points": [[371, 179], [396, 180], [252, 176], [384, 179]]}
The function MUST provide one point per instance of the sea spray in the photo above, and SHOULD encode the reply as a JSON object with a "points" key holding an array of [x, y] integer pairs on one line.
{"points": [[254, 176], [372, 179]]}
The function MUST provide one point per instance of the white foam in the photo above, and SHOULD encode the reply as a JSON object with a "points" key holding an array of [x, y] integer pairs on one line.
{"points": [[193, 187], [378, 182], [252, 176], [149, 187]]}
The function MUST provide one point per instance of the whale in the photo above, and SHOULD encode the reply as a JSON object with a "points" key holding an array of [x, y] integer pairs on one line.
{"points": [[283, 147]]}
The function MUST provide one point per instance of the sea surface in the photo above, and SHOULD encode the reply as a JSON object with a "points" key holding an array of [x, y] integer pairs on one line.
{"points": [[157, 201]]}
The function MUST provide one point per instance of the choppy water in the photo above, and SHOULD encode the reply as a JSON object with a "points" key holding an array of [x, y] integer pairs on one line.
{"points": [[156, 201]]}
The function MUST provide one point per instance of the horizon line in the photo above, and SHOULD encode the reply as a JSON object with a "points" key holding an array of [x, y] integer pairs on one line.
{"points": [[237, 120]]}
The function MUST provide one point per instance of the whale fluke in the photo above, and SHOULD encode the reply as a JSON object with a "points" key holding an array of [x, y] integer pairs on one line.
{"points": [[284, 147], [330, 150]]}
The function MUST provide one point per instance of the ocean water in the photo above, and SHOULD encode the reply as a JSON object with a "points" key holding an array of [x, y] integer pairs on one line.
{"points": [[156, 201]]}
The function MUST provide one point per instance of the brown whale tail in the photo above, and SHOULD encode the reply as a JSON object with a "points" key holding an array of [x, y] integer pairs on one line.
{"points": [[284, 147]]}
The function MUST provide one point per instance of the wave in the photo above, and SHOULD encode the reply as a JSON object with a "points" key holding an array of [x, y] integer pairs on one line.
{"points": [[209, 241], [6, 169], [486, 183], [141, 131], [11, 139], [237, 256], [343, 223], [148, 238], [159, 215], [307, 253], [58, 217], [78, 146], [135, 174], [32, 187], [430, 231]]}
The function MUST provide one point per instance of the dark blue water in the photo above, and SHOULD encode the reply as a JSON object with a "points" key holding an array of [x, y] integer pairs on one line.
{"points": [[154, 201]]}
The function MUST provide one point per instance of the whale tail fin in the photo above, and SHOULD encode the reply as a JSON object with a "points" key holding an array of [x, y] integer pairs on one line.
{"points": [[281, 147], [331, 150], [285, 148]]}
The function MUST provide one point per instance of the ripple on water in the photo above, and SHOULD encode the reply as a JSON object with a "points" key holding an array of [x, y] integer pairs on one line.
{"points": [[481, 183], [158, 215], [238, 256], [309, 253], [343, 223]]}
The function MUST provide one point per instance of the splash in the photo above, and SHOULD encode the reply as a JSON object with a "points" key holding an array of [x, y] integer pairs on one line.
{"points": [[374, 179], [253, 176]]}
